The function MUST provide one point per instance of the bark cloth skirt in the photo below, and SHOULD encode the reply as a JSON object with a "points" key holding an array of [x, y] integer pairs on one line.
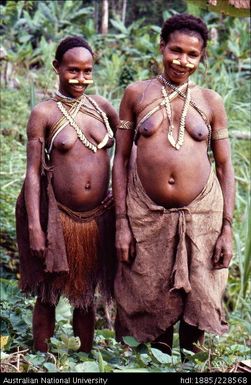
{"points": [[172, 276], [80, 252]]}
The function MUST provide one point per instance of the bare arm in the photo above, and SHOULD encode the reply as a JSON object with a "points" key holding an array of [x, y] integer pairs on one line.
{"points": [[124, 141], [225, 173], [35, 132], [112, 117]]}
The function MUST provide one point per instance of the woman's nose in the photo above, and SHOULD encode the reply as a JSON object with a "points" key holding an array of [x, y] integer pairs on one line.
{"points": [[81, 77], [183, 59]]}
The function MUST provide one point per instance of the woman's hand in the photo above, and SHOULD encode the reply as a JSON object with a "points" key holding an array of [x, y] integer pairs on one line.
{"points": [[125, 243], [37, 243], [223, 249]]}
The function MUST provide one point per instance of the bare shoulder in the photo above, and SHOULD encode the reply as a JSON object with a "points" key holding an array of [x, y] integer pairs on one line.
{"points": [[138, 87], [102, 102], [210, 96], [39, 118], [42, 109], [133, 93], [215, 106]]}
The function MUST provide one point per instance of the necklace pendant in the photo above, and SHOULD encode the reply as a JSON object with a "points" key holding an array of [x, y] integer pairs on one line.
{"points": [[171, 140], [177, 146]]}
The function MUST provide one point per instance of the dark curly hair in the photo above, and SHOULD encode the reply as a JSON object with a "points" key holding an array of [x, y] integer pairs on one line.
{"points": [[71, 42], [185, 23]]}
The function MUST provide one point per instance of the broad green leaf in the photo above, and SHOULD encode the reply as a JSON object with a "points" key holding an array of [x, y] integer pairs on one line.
{"points": [[51, 368], [161, 357], [119, 25], [131, 341], [63, 310], [36, 359], [74, 343], [145, 358], [155, 28], [88, 366]]}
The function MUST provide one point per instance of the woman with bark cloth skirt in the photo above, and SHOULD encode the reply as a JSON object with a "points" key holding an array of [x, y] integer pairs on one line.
{"points": [[65, 213], [173, 213]]}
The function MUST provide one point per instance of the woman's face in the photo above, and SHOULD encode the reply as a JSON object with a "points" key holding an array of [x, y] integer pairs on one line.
{"points": [[185, 50], [77, 64]]}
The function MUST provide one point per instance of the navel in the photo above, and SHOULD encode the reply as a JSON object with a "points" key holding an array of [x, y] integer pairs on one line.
{"points": [[171, 181], [87, 186]]}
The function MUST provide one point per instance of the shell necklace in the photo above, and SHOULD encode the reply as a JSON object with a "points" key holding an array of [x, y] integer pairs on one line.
{"points": [[70, 117], [180, 139]]}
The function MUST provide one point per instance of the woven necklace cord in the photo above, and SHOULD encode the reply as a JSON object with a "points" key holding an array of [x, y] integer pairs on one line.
{"points": [[177, 144], [77, 103]]}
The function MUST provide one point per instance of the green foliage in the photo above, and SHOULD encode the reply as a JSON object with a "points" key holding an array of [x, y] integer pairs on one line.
{"points": [[15, 323], [29, 21], [222, 6], [218, 353]]}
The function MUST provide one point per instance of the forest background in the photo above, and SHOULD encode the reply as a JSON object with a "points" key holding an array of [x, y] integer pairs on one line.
{"points": [[125, 37]]}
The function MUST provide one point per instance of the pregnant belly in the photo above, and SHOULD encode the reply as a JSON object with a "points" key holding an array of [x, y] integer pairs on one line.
{"points": [[172, 189], [81, 192]]}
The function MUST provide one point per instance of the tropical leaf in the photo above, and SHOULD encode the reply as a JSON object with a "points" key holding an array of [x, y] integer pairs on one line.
{"points": [[88, 366], [131, 341], [117, 24], [161, 357]]}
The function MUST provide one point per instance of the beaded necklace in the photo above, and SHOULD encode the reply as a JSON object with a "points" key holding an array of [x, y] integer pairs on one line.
{"points": [[70, 117], [180, 139]]}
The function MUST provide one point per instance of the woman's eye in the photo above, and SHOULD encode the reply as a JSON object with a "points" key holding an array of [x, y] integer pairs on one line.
{"points": [[193, 55]]}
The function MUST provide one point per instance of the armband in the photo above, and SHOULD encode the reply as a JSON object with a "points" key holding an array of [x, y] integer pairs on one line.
{"points": [[39, 139], [220, 134], [125, 125]]}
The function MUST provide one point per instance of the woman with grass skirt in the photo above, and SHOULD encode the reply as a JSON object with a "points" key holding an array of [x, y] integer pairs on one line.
{"points": [[174, 209], [65, 212]]}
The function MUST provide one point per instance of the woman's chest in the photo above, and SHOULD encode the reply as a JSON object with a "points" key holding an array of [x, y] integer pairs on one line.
{"points": [[67, 129], [160, 118]]}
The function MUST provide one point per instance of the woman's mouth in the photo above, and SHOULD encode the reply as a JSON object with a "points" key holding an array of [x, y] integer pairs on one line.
{"points": [[178, 72], [77, 87]]}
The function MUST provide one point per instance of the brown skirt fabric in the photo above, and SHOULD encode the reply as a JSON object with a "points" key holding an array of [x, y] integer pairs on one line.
{"points": [[80, 253], [172, 276]]}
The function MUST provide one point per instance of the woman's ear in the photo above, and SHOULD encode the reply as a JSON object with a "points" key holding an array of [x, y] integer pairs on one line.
{"points": [[55, 65], [203, 55], [162, 46]]}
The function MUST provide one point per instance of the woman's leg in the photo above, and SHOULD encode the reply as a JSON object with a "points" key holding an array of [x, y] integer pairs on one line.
{"points": [[83, 327], [165, 341], [43, 324], [189, 335]]}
